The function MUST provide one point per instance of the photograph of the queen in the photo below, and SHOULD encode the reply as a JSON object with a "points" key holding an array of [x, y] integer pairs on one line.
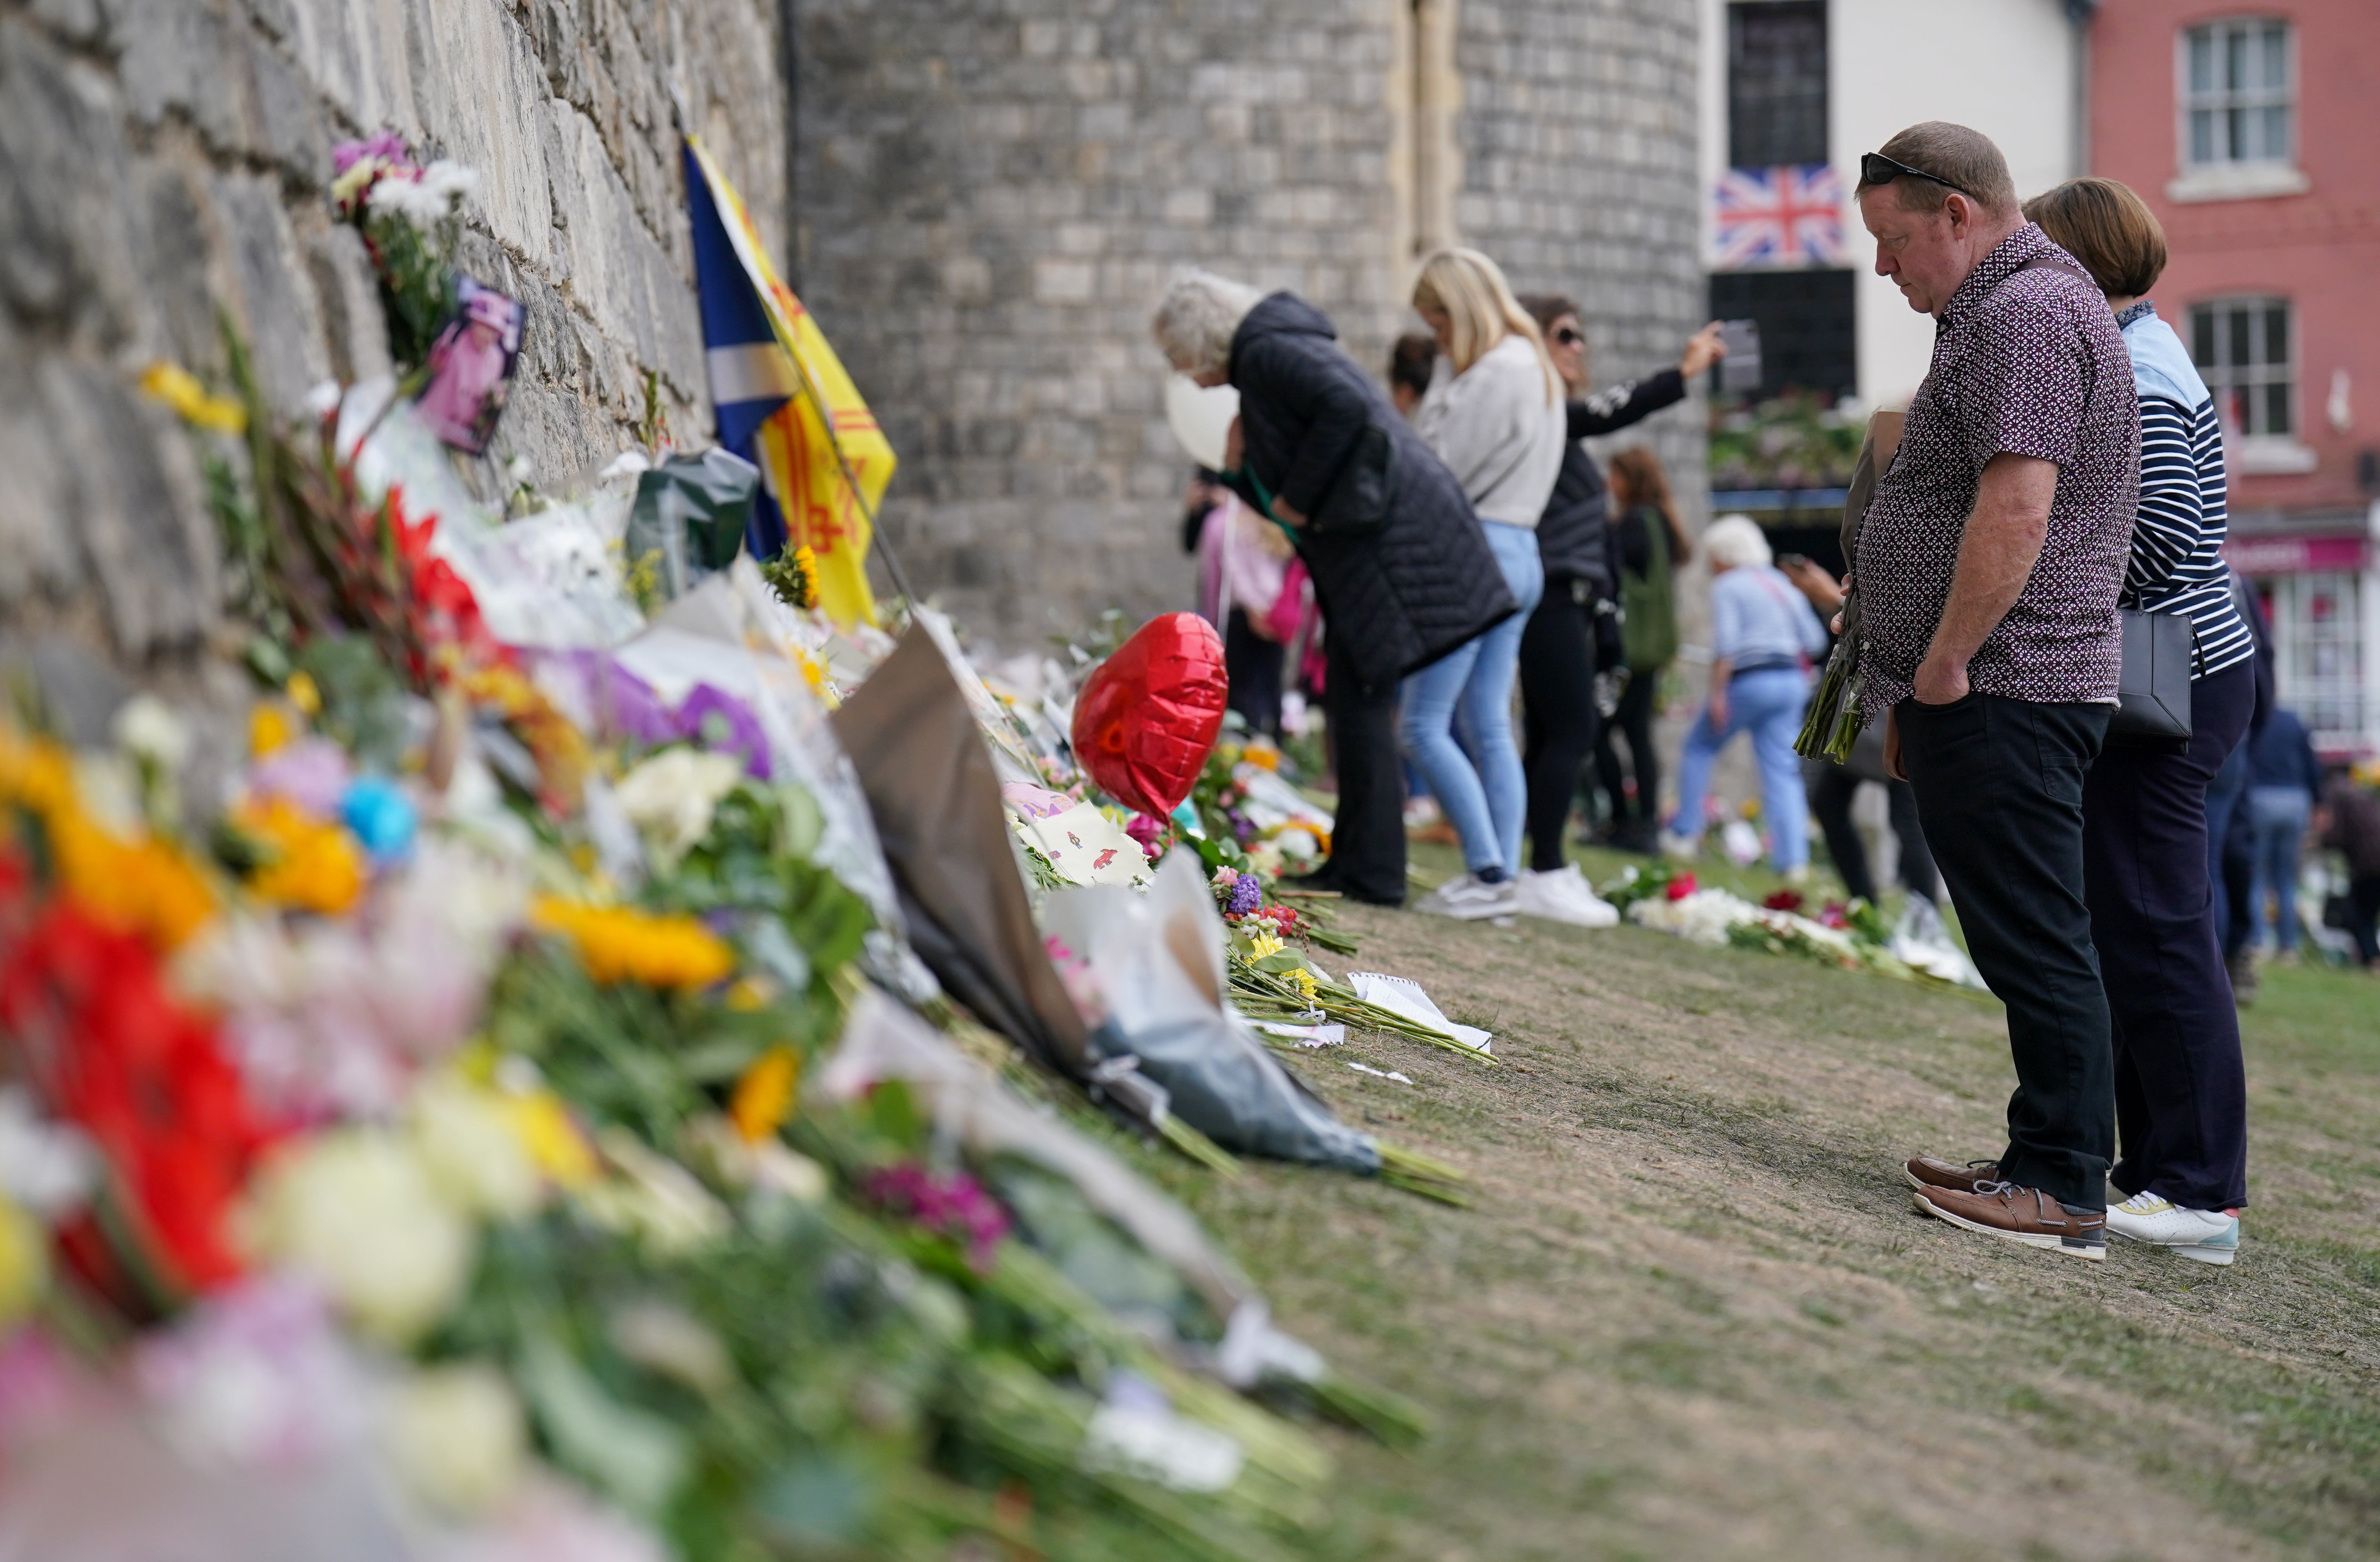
{"points": [[471, 367]]}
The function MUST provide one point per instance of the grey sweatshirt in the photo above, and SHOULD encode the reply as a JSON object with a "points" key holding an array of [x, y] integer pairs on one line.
{"points": [[1498, 430]]}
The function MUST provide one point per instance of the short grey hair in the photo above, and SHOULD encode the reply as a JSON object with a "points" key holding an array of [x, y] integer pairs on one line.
{"points": [[1734, 541], [1194, 321]]}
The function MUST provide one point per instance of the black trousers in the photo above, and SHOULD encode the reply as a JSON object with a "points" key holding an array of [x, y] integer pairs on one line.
{"points": [[1999, 793], [1831, 788], [1558, 711], [2363, 917], [1367, 840], [1633, 720], [2181, 1089], [1252, 663]]}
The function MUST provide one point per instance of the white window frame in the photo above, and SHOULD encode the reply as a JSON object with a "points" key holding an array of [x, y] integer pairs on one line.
{"points": [[2262, 451], [2234, 178]]}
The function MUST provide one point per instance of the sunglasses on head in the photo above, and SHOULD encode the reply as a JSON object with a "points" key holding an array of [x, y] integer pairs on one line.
{"points": [[1569, 337], [1878, 169]]}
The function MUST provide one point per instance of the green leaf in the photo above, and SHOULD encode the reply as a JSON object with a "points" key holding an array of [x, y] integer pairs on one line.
{"points": [[634, 1457]]}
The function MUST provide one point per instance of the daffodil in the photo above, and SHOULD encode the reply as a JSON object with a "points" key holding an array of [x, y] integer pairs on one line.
{"points": [[181, 390]]}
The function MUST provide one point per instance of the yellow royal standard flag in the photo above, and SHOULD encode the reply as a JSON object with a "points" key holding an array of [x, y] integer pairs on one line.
{"points": [[784, 401]]}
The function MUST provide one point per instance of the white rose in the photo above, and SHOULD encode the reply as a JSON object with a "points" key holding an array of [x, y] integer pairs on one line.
{"points": [[670, 798], [356, 1210], [475, 1158], [456, 1436], [146, 728]]}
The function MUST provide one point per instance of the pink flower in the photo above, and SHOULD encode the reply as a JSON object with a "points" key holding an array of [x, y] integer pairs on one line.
{"points": [[312, 773], [951, 1203], [257, 1375], [384, 146]]}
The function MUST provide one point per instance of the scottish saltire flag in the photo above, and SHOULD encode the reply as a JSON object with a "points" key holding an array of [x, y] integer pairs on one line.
{"points": [[778, 388], [1789, 215]]}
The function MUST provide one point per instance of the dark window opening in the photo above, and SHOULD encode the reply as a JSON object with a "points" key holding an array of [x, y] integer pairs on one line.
{"points": [[1807, 338], [1776, 84]]}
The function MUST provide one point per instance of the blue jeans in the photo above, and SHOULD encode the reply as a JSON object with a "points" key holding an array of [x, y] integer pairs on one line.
{"points": [[2277, 815], [1768, 704], [1474, 684]]}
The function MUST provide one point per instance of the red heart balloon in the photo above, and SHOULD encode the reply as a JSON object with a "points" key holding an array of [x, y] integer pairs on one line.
{"points": [[1147, 718]]}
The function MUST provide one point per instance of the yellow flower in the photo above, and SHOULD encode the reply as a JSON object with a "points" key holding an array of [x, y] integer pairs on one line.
{"points": [[24, 1262], [764, 1097], [617, 944], [1262, 945], [269, 730], [750, 994], [304, 694], [1305, 980], [1263, 756], [178, 389], [552, 1139], [315, 865]]}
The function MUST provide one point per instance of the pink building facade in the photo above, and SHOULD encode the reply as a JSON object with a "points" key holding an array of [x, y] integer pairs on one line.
{"points": [[2252, 130]]}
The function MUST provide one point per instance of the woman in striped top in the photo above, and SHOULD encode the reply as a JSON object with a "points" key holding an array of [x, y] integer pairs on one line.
{"points": [[2181, 1107]]}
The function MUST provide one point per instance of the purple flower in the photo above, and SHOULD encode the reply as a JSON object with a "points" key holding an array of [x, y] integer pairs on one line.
{"points": [[722, 722], [1246, 895], [313, 773], [387, 146], [951, 1203]]}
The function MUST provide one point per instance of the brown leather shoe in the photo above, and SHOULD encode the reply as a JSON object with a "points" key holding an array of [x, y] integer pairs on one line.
{"points": [[2026, 1216], [1924, 1171]]}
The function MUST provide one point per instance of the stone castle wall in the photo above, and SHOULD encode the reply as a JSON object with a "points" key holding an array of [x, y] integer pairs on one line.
{"points": [[163, 160], [991, 197]]}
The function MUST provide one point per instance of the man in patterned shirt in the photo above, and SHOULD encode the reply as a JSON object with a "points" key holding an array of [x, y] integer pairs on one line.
{"points": [[1988, 572]]}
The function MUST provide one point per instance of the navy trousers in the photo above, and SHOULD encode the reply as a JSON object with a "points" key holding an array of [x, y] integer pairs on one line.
{"points": [[2181, 1091]]}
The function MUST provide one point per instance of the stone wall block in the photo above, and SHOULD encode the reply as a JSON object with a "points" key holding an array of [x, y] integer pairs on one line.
{"points": [[274, 301], [148, 542], [38, 555], [66, 245], [355, 331]]}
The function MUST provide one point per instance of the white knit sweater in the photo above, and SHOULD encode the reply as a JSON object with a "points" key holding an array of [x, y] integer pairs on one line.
{"points": [[1498, 430]]}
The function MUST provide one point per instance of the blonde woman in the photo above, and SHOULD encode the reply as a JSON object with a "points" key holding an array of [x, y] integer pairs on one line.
{"points": [[1496, 417]]}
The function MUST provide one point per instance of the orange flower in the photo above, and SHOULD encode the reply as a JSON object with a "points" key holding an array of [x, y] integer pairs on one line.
{"points": [[144, 886], [764, 1097], [617, 944], [315, 865]]}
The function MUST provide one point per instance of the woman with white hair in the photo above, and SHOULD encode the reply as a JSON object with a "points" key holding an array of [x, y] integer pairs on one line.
{"points": [[1496, 415], [1398, 562], [1763, 636]]}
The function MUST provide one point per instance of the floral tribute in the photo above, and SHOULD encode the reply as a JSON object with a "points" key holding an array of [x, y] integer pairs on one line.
{"points": [[423, 1103]]}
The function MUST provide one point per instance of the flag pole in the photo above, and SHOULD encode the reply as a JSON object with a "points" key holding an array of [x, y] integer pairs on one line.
{"points": [[851, 480]]}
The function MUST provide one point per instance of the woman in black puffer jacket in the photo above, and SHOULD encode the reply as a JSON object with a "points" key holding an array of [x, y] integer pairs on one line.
{"points": [[1399, 561]]}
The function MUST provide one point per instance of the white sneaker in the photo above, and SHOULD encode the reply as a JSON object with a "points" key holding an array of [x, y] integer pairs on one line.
{"points": [[1469, 899], [1681, 848], [2210, 1236], [1922, 924], [1562, 896]]}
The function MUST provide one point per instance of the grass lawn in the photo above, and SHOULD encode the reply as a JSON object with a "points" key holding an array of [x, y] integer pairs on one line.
{"points": [[1692, 1316]]}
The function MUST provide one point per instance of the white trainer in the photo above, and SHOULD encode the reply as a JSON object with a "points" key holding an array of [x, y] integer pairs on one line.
{"points": [[1469, 899], [1562, 895], [2210, 1236]]}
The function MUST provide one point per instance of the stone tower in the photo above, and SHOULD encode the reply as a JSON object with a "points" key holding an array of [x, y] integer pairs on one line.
{"points": [[988, 198]]}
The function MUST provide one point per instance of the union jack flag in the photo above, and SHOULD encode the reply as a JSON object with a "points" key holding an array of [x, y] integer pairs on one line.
{"points": [[1789, 215]]}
